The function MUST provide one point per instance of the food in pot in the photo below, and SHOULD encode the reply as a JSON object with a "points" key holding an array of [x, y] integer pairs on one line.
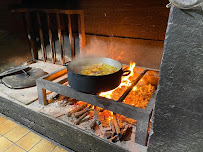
{"points": [[98, 69]]}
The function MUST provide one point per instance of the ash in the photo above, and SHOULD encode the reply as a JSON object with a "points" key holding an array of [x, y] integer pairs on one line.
{"points": [[60, 107]]}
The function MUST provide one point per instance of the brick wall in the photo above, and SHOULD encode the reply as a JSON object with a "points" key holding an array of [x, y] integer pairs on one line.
{"points": [[126, 18]]}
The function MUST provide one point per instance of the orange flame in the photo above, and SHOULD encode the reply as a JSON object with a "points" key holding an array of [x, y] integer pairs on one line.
{"points": [[125, 81], [138, 97], [110, 115]]}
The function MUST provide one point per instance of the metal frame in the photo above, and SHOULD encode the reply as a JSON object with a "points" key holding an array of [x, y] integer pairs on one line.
{"points": [[142, 116]]}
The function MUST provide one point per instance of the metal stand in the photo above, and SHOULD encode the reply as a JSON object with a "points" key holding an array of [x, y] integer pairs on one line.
{"points": [[141, 115]]}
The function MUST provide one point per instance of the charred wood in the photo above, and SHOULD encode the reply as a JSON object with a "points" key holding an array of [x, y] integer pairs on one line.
{"points": [[76, 109]]}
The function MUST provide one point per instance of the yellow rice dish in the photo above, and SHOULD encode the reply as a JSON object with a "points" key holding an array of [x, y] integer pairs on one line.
{"points": [[98, 69]]}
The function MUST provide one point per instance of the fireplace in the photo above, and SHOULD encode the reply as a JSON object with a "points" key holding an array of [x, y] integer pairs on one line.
{"points": [[143, 84]]}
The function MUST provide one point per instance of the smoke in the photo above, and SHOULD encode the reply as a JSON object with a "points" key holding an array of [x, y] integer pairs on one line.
{"points": [[95, 47], [103, 47]]}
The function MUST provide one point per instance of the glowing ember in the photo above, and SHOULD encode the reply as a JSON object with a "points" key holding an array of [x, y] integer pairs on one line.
{"points": [[138, 97], [111, 115]]}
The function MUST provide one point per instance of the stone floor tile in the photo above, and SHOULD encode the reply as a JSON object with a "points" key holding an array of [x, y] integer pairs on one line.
{"points": [[7, 126], [15, 148], [2, 119], [43, 146], [17, 133], [4, 143], [28, 141], [59, 149]]}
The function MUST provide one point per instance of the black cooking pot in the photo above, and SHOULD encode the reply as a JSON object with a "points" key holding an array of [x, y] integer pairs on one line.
{"points": [[94, 84]]}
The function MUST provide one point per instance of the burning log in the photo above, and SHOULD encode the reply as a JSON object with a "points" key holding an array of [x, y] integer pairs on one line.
{"points": [[72, 101], [95, 122], [114, 138], [122, 133], [112, 127], [117, 128], [76, 109], [81, 117], [108, 134], [79, 113]]}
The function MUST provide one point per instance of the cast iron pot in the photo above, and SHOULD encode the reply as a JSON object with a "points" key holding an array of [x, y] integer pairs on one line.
{"points": [[94, 84]]}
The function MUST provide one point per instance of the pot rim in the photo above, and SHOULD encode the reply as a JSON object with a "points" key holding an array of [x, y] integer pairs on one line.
{"points": [[89, 58]]}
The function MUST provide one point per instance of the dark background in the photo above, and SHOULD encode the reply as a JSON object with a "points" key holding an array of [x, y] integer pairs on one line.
{"points": [[123, 30]]}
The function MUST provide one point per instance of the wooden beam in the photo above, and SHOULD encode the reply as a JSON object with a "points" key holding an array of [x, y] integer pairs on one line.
{"points": [[60, 38], [81, 30], [22, 10], [70, 36], [41, 37], [51, 39], [30, 35]]}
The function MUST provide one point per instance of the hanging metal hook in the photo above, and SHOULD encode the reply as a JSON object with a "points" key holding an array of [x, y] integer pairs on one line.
{"points": [[168, 5], [184, 5]]}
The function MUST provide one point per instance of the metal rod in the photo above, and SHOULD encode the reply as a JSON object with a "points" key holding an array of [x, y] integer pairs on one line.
{"points": [[70, 36], [134, 82], [41, 37], [51, 39], [60, 37]]}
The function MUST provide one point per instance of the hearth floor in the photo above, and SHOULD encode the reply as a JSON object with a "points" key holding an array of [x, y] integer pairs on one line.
{"points": [[17, 138]]}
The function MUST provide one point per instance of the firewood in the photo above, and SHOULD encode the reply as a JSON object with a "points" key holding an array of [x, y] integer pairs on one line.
{"points": [[114, 138], [77, 121], [118, 137], [123, 131], [108, 134], [112, 127], [76, 109], [95, 122], [79, 113], [115, 121], [72, 101], [60, 115]]}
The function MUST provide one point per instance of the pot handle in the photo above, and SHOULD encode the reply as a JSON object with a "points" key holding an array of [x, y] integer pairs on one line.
{"points": [[65, 64], [126, 73]]}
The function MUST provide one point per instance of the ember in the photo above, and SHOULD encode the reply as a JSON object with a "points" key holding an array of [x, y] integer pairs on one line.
{"points": [[140, 94]]}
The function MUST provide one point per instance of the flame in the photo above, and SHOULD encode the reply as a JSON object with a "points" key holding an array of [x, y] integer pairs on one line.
{"points": [[140, 94], [125, 81], [110, 115]]}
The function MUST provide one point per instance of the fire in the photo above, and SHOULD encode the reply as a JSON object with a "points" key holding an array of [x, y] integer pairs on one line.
{"points": [[125, 81], [139, 96], [110, 115]]}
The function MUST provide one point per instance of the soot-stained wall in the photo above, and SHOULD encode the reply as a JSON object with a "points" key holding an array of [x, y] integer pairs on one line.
{"points": [[126, 30], [130, 30]]}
